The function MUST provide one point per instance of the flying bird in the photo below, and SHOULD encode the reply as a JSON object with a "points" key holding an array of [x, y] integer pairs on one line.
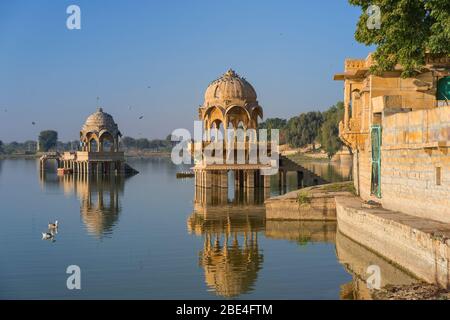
{"points": [[33, 123], [141, 117]]}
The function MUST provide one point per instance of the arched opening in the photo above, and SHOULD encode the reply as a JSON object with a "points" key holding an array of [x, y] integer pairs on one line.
{"points": [[238, 114], [93, 145], [256, 113], [106, 142], [217, 131]]}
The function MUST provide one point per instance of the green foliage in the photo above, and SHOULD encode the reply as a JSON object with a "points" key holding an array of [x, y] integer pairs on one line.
{"points": [[303, 240], [27, 147], [145, 144], [329, 132], [307, 128], [47, 140], [304, 129], [303, 197], [409, 29], [68, 146], [274, 123], [30, 147], [340, 187]]}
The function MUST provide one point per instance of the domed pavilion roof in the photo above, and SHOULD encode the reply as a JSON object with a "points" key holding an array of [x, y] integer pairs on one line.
{"points": [[230, 87], [100, 121]]}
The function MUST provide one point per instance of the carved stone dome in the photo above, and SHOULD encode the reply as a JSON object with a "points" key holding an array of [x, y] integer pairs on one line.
{"points": [[100, 121], [230, 87]]}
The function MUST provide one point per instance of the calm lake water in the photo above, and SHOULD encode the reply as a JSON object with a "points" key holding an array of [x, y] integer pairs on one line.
{"points": [[152, 236]]}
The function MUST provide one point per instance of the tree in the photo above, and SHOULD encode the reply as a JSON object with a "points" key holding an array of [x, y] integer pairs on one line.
{"points": [[47, 140], [329, 132], [142, 143], [304, 129], [128, 142], [409, 29], [274, 123]]}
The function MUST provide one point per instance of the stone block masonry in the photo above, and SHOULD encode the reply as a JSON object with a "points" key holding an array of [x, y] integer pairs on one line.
{"points": [[420, 246]]}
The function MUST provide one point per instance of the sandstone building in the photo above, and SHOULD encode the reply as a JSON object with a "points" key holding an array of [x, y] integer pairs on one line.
{"points": [[398, 130]]}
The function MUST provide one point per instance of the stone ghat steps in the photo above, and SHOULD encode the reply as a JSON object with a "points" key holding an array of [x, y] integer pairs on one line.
{"points": [[420, 246], [290, 165]]}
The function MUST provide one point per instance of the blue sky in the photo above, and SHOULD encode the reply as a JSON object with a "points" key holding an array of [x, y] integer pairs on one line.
{"points": [[288, 49]]}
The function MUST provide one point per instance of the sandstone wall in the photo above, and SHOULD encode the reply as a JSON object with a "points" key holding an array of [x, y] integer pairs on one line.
{"points": [[414, 149], [415, 164]]}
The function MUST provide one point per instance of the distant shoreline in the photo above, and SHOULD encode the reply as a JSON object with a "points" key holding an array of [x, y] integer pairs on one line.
{"points": [[127, 155]]}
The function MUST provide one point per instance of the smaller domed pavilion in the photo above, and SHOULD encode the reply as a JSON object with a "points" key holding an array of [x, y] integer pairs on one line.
{"points": [[99, 148]]}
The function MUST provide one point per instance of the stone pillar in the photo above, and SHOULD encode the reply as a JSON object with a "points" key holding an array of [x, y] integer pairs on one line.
{"points": [[223, 196], [216, 178], [250, 196], [224, 179], [266, 193], [250, 179], [266, 181], [207, 179]]}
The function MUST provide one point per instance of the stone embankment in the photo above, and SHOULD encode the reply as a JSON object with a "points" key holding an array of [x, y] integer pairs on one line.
{"points": [[312, 203], [420, 246]]}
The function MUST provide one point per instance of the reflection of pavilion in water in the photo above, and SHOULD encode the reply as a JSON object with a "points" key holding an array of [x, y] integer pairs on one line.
{"points": [[99, 199], [231, 257]]}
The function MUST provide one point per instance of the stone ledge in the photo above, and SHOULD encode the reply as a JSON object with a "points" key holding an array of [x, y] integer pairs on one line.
{"points": [[418, 245], [320, 204]]}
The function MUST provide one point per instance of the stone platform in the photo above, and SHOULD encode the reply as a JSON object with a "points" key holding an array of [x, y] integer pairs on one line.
{"points": [[312, 203], [417, 245]]}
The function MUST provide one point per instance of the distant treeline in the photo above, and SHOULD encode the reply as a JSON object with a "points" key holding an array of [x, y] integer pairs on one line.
{"points": [[310, 128], [48, 141], [128, 143], [30, 147]]}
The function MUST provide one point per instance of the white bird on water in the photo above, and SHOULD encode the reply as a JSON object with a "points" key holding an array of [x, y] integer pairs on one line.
{"points": [[47, 236]]}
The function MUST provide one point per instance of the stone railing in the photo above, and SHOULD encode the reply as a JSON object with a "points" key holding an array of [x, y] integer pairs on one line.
{"points": [[100, 156]]}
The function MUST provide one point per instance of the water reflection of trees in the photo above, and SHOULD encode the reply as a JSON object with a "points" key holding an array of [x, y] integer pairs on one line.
{"points": [[330, 171], [98, 196], [231, 257]]}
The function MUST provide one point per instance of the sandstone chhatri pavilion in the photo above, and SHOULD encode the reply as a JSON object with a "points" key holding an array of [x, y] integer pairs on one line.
{"points": [[99, 151], [231, 105], [230, 102]]}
